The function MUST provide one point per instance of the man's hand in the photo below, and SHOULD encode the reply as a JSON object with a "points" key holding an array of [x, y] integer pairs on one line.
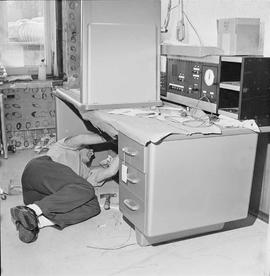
{"points": [[99, 174]]}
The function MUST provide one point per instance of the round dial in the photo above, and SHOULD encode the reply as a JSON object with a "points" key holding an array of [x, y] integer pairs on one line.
{"points": [[209, 77]]}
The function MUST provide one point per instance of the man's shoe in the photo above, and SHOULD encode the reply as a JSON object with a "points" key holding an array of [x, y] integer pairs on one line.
{"points": [[26, 235], [25, 216]]}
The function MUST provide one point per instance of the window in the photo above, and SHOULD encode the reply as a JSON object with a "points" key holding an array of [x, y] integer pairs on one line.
{"points": [[27, 35]]}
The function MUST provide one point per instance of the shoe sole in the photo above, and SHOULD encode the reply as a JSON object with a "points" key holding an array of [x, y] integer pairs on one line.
{"points": [[25, 235], [19, 215]]}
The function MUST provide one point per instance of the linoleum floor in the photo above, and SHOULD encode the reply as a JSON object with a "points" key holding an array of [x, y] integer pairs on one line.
{"points": [[106, 245]]}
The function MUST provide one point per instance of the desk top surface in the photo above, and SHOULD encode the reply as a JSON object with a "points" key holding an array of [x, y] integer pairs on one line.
{"points": [[158, 124]]}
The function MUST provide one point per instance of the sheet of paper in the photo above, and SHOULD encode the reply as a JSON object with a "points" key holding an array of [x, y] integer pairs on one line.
{"points": [[145, 129], [124, 173], [225, 121]]}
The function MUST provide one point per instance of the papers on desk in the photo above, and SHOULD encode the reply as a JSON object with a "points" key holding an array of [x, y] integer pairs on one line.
{"points": [[145, 130], [148, 112], [146, 125], [195, 118], [134, 112], [227, 122], [157, 123]]}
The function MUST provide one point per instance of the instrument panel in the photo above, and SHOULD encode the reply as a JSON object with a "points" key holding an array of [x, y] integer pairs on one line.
{"points": [[192, 82]]}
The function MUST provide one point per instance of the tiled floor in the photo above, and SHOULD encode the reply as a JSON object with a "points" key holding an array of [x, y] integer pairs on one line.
{"points": [[74, 250]]}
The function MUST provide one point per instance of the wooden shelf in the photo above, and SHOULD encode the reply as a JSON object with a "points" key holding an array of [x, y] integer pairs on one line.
{"points": [[229, 112], [230, 85], [235, 59]]}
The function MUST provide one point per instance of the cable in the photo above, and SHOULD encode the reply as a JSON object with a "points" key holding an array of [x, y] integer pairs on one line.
{"points": [[121, 246], [107, 248], [204, 122], [201, 123], [180, 28], [196, 107], [194, 29], [174, 7], [164, 28]]}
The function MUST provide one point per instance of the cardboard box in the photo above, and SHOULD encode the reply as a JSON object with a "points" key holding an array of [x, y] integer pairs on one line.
{"points": [[239, 36]]}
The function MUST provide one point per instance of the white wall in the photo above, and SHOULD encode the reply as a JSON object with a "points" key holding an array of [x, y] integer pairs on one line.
{"points": [[204, 13]]}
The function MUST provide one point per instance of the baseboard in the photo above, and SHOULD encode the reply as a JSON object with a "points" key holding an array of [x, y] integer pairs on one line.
{"points": [[260, 215]]}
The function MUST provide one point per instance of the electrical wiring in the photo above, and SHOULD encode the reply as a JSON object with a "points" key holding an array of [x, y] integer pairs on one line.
{"points": [[194, 29], [198, 102], [202, 121], [121, 246], [164, 28], [197, 123], [111, 249], [180, 28]]}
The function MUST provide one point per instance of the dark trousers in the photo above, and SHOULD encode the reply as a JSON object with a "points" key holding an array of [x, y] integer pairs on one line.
{"points": [[64, 197]]}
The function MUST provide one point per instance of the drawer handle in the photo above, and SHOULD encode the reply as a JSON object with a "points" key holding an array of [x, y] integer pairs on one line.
{"points": [[133, 180], [131, 205], [131, 153]]}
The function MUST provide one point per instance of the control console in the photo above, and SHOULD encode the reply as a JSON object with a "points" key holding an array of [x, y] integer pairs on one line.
{"points": [[192, 82]]}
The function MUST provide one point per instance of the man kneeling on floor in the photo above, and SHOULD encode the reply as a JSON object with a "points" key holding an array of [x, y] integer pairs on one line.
{"points": [[56, 187]]}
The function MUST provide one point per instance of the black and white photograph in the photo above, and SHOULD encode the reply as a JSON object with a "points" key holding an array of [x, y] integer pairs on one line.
{"points": [[134, 137]]}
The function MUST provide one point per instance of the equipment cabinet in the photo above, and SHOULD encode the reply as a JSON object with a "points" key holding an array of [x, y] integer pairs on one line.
{"points": [[244, 89], [185, 185]]}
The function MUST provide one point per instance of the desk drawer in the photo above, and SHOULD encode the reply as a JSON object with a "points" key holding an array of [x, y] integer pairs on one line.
{"points": [[135, 180], [131, 207], [132, 152]]}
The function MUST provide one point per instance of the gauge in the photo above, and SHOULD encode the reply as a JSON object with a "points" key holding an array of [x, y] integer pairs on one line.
{"points": [[209, 77]]}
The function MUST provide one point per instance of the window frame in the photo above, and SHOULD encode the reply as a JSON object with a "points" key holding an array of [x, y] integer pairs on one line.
{"points": [[50, 49]]}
